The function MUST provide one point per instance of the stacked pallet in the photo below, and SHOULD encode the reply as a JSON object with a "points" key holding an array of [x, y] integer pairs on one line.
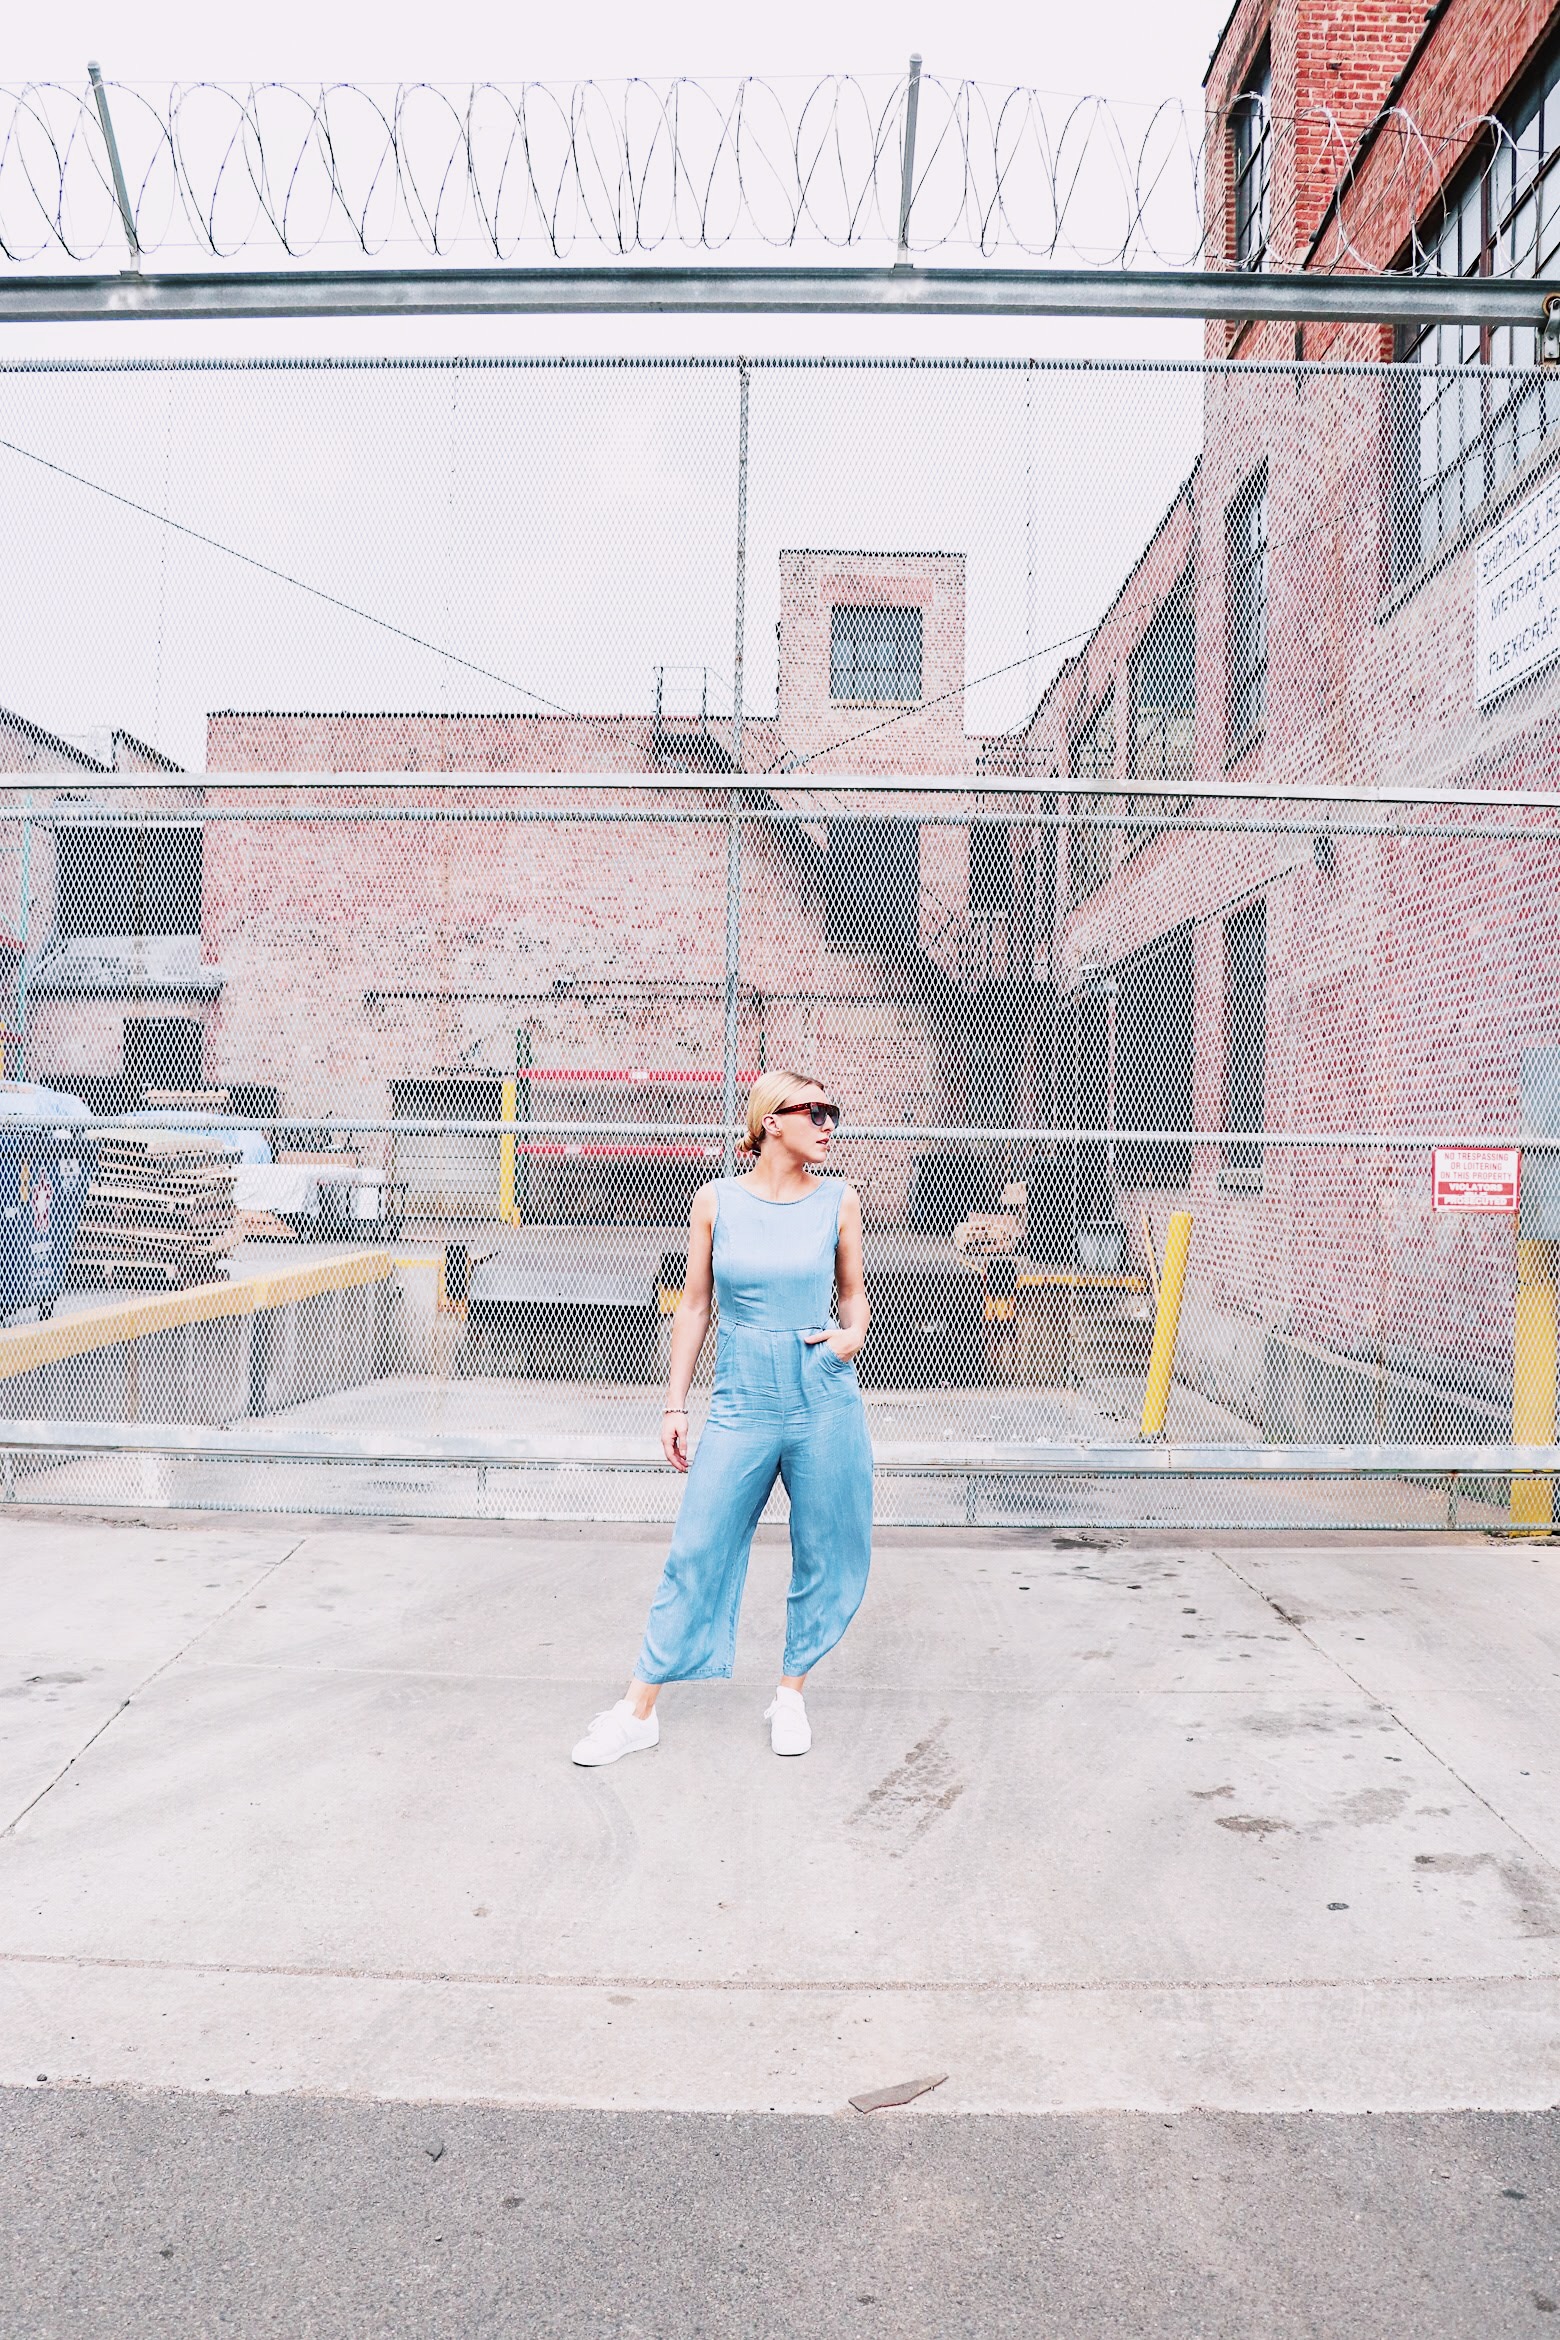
{"points": [[159, 1215]]}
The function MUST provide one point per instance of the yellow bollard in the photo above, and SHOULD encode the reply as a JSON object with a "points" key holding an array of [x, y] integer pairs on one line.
{"points": [[1533, 1377], [1167, 1323], [506, 1156]]}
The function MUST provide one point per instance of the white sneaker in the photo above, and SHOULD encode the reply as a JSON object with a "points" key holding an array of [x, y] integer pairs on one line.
{"points": [[790, 1733], [618, 1732]]}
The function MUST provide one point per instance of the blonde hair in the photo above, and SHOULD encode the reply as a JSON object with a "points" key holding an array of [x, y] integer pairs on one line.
{"points": [[769, 1092]]}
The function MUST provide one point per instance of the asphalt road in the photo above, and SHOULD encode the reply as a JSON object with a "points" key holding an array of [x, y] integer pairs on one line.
{"points": [[180, 2217]]}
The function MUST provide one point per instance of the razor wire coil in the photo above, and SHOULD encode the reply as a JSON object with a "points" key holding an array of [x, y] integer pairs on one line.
{"points": [[542, 171]]}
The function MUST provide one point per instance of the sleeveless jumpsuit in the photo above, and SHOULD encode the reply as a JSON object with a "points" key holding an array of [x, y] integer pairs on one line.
{"points": [[780, 1408]]}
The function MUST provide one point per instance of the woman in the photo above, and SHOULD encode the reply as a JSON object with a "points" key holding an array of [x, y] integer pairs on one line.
{"points": [[773, 1245]]}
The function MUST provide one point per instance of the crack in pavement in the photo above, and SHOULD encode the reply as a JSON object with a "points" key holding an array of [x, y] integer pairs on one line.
{"points": [[216, 1618]]}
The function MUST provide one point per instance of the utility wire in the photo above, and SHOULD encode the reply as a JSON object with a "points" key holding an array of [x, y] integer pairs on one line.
{"points": [[782, 765], [283, 576], [779, 766]]}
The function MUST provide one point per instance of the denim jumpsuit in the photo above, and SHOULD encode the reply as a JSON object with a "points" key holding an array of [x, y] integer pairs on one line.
{"points": [[781, 1407]]}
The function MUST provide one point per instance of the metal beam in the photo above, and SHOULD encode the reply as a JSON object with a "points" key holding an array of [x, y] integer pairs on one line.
{"points": [[711, 1134], [951, 1458], [806, 783], [717, 291]]}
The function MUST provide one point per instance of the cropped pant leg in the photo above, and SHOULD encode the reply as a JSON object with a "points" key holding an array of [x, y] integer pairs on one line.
{"points": [[692, 1630], [826, 1463]]}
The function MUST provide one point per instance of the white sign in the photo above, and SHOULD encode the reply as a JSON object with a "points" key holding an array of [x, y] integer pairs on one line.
{"points": [[1480, 1179], [1516, 585]]}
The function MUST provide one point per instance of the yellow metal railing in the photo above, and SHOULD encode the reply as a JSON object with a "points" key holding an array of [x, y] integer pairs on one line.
{"points": [[24, 1346]]}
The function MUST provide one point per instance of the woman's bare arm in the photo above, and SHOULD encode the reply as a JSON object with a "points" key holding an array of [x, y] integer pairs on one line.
{"points": [[850, 1280], [689, 1327]]}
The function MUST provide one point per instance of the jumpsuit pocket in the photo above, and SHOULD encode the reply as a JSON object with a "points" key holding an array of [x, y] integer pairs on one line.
{"points": [[831, 1363]]}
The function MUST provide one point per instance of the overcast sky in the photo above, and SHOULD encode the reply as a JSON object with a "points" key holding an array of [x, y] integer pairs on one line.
{"points": [[1136, 51], [567, 537]]}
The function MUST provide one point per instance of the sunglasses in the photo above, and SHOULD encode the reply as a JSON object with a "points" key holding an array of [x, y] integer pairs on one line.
{"points": [[822, 1116]]}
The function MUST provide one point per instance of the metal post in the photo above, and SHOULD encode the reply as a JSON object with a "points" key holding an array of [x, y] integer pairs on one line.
{"points": [[907, 163], [447, 291], [1167, 1323], [1533, 1378], [509, 1109], [734, 812], [18, 1070], [741, 592], [121, 192], [733, 940], [524, 1092]]}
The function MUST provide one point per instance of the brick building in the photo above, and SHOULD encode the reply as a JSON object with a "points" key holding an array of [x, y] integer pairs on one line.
{"points": [[1305, 617], [468, 949], [357, 966], [1302, 616]]}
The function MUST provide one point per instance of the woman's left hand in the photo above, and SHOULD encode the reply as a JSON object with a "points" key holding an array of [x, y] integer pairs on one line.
{"points": [[843, 1344]]}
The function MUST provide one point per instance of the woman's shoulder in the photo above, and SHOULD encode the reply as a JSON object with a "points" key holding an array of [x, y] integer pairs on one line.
{"points": [[848, 1203]]}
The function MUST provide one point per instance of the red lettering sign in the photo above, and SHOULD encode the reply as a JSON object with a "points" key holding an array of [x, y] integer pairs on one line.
{"points": [[1484, 1179]]}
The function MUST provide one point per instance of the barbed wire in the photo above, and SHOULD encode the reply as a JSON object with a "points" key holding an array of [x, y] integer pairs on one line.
{"points": [[541, 171]]}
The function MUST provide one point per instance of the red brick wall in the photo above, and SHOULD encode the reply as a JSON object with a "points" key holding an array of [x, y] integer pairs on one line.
{"points": [[356, 954], [1333, 67], [1402, 985], [359, 953], [1471, 59], [276, 742], [1105, 665]]}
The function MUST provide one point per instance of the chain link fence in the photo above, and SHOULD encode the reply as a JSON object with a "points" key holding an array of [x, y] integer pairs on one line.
{"points": [[433, 791]]}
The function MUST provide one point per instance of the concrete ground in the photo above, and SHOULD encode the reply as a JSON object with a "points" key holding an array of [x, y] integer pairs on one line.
{"points": [[1258, 1838], [1088, 1824]]}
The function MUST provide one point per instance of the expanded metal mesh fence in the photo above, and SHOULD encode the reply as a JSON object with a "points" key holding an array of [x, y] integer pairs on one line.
{"points": [[436, 791]]}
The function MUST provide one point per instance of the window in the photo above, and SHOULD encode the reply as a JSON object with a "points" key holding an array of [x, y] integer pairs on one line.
{"points": [[1164, 707], [1245, 592], [875, 653], [1245, 1040], [872, 887], [162, 1052], [1091, 754], [1250, 129], [1470, 430], [128, 881], [991, 870], [1155, 1021]]}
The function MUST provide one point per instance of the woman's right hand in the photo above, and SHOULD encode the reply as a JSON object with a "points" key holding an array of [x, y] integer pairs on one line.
{"points": [[674, 1438]]}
